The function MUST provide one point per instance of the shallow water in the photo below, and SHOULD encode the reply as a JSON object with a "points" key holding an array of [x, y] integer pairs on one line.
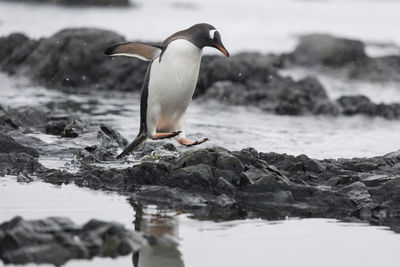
{"points": [[228, 126], [252, 242]]}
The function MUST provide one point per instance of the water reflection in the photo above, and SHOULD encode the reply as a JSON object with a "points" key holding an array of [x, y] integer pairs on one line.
{"points": [[165, 227]]}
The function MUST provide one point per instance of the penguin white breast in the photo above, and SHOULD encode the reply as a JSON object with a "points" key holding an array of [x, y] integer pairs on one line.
{"points": [[172, 82]]}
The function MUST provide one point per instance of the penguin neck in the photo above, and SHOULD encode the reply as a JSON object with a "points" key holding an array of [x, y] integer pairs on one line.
{"points": [[182, 48]]}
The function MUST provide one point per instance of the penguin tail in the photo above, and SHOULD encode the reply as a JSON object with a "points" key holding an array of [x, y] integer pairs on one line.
{"points": [[139, 140]]}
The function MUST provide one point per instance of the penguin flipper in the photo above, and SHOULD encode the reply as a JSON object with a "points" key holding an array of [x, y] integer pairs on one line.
{"points": [[143, 51], [134, 145]]}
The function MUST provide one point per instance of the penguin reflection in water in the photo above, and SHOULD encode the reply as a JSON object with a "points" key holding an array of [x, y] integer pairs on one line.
{"points": [[170, 81]]}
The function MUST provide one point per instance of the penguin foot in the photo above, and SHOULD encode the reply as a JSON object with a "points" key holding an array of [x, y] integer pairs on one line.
{"points": [[187, 142], [158, 136]]}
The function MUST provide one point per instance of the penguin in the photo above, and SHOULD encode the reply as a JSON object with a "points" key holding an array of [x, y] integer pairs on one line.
{"points": [[169, 82]]}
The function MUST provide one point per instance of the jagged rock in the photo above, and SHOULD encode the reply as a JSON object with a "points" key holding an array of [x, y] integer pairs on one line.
{"points": [[327, 50], [342, 56], [279, 95], [23, 117], [56, 240], [73, 129], [359, 104], [9, 145], [108, 137]]}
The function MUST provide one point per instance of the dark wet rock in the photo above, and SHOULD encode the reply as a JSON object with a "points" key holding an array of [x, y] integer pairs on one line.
{"points": [[93, 154], [73, 129], [241, 68], [279, 95], [15, 163], [327, 50], [108, 137], [23, 117], [377, 69], [16, 158], [252, 79], [56, 240], [15, 49], [359, 104], [108, 3], [9, 145], [248, 182], [78, 55], [357, 192], [342, 56], [56, 124]]}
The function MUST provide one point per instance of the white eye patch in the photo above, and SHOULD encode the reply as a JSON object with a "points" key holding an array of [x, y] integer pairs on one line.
{"points": [[212, 32]]}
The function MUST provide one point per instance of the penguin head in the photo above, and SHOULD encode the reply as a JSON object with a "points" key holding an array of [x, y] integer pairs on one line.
{"points": [[204, 34], [201, 35]]}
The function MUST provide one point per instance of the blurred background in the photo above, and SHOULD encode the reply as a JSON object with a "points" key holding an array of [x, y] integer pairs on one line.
{"points": [[262, 26], [313, 77]]}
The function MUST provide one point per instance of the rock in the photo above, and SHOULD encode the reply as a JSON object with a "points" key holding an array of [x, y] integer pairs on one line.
{"points": [[78, 55], [24, 117], [56, 124], [279, 95], [73, 129], [381, 69], [15, 163], [342, 56], [327, 50], [373, 180], [15, 49], [357, 192], [358, 104], [309, 96], [239, 68], [9, 145], [108, 137], [108, 3], [56, 240]]}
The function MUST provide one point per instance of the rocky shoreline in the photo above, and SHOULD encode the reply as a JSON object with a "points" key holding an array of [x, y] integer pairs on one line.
{"points": [[216, 183], [249, 79]]}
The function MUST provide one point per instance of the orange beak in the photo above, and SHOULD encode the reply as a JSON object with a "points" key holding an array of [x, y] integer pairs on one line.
{"points": [[221, 48]]}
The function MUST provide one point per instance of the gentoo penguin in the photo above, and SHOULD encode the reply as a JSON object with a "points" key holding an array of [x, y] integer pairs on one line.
{"points": [[169, 82]]}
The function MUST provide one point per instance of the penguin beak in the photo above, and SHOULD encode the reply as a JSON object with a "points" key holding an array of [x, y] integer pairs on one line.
{"points": [[217, 43], [221, 48]]}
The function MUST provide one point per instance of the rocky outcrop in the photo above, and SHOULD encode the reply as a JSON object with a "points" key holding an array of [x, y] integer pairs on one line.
{"points": [[279, 95], [56, 240], [342, 56], [72, 59], [16, 158], [327, 50], [108, 3], [212, 182], [217, 183], [359, 104]]}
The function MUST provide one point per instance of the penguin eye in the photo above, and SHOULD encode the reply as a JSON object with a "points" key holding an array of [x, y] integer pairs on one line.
{"points": [[211, 35]]}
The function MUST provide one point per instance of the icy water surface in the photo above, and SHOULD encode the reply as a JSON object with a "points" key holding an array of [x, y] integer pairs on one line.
{"points": [[231, 127], [252, 242]]}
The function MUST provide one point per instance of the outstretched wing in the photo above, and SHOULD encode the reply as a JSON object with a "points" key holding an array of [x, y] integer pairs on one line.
{"points": [[143, 51]]}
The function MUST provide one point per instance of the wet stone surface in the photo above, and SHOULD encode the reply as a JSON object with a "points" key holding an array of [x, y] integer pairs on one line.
{"points": [[56, 240], [209, 182]]}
